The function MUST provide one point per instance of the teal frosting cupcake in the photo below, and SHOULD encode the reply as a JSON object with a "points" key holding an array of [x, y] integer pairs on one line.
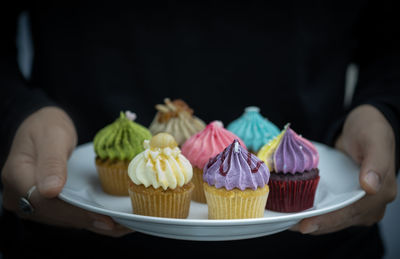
{"points": [[253, 129]]}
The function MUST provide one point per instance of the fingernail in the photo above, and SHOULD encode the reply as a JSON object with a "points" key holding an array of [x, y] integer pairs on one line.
{"points": [[373, 180], [101, 225], [310, 229], [50, 182]]}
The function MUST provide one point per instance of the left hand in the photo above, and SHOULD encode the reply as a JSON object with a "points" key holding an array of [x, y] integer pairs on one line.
{"points": [[368, 139]]}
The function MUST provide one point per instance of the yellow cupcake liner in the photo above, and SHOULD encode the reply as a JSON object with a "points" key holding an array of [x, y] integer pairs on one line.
{"points": [[170, 203], [198, 192], [235, 203], [113, 176]]}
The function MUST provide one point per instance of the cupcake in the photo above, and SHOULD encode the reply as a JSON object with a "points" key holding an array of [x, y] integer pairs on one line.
{"points": [[253, 129], [203, 146], [160, 177], [115, 146], [177, 119], [236, 184], [293, 162]]}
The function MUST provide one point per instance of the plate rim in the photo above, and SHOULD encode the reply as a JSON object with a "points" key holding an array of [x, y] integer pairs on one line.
{"points": [[200, 222], [210, 222]]}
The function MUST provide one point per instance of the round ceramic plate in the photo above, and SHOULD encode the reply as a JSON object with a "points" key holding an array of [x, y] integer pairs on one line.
{"points": [[338, 187]]}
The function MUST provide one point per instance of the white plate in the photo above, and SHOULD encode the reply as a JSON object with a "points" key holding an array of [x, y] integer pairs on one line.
{"points": [[338, 187]]}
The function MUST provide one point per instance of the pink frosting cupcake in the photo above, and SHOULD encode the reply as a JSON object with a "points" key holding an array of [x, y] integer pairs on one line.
{"points": [[201, 147]]}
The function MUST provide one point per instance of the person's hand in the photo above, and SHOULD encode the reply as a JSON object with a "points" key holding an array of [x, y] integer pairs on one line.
{"points": [[38, 156], [368, 139]]}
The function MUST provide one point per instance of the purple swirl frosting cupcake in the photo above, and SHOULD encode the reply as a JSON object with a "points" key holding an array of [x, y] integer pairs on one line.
{"points": [[236, 184], [293, 161], [295, 154], [236, 167]]}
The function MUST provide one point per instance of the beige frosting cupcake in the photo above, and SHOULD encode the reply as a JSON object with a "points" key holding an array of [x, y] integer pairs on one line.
{"points": [[160, 179], [176, 118]]}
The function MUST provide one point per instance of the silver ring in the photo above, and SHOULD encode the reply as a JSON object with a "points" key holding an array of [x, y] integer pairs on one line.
{"points": [[24, 203]]}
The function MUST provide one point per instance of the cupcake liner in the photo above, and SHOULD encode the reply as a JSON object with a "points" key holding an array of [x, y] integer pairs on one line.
{"points": [[170, 203], [292, 196], [113, 176], [235, 204], [198, 192]]}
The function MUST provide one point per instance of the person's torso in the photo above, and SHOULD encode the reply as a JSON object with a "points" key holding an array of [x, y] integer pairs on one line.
{"points": [[289, 59]]}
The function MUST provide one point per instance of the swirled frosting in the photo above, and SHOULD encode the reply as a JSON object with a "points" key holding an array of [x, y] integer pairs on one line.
{"points": [[289, 153], [177, 119], [122, 139], [253, 128], [235, 167], [161, 164], [208, 143]]}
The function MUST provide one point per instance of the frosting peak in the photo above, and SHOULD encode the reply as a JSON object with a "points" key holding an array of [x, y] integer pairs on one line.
{"points": [[253, 128], [208, 143], [252, 109], [163, 140], [290, 153], [235, 167]]}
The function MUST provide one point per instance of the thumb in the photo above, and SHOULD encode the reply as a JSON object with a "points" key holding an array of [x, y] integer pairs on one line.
{"points": [[375, 164], [370, 177], [369, 139], [53, 145], [51, 171]]}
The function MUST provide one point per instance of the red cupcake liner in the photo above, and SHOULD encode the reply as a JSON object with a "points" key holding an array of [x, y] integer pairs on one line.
{"points": [[291, 196]]}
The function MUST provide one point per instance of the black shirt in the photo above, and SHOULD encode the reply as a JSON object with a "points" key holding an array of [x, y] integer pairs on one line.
{"points": [[289, 58]]}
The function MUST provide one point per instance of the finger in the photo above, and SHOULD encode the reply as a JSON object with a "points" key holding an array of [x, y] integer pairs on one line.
{"points": [[53, 149], [117, 231], [66, 215], [51, 211], [321, 224], [17, 176], [352, 215]]}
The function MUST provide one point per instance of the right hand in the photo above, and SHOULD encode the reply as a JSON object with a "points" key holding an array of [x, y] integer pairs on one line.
{"points": [[38, 156]]}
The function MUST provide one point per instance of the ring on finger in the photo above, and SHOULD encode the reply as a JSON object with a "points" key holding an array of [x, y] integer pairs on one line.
{"points": [[24, 203]]}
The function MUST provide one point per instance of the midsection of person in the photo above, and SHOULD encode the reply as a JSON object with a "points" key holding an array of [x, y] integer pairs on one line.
{"points": [[218, 59]]}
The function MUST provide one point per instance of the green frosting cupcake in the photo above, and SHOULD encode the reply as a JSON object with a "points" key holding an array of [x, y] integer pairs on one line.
{"points": [[123, 139]]}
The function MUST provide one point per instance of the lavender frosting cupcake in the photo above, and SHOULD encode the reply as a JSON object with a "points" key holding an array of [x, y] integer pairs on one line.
{"points": [[293, 162], [236, 184]]}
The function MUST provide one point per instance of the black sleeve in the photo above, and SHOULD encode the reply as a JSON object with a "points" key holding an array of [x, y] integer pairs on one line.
{"points": [[378, 58], [17, 99], [377, 55]]}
